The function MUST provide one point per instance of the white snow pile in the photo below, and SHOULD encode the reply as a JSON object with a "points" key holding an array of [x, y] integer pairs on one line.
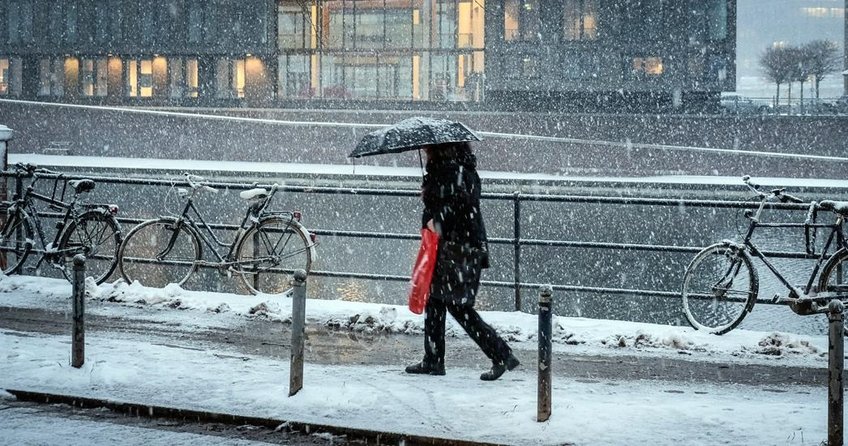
{"points": [[580, 335]]}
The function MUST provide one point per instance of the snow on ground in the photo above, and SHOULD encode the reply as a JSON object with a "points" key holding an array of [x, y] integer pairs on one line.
{"points": [[459, 405], [578, 335]]}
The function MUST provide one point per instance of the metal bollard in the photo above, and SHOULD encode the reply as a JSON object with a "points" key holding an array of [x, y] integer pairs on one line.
{"points": [[545, 329], [835, 366], [298, 327], [78, 336]]}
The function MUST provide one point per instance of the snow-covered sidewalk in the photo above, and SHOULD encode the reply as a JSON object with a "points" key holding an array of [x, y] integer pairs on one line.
{"points": [[384, 398]]}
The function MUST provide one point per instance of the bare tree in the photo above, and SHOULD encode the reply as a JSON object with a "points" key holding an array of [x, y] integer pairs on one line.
{"points": [[823, 59], [776, 65]]}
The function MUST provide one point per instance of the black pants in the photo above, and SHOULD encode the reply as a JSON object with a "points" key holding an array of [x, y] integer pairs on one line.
{"points": [[482, 333]]}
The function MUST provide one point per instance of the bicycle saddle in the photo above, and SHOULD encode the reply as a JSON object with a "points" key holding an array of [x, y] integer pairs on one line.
{"points": [[840, 207], [254, 193], [81, 186]]}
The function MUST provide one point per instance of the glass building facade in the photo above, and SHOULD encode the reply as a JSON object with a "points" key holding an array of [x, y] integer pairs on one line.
{"points": [[284, 52]]}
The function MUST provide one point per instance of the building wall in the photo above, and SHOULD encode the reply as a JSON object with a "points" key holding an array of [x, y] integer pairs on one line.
{"points": [[638, 46], [285, 52]]}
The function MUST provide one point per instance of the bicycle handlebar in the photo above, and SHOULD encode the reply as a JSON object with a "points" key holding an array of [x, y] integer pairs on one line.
{"points": [[777, 193], [30, 169], [197, 182]]}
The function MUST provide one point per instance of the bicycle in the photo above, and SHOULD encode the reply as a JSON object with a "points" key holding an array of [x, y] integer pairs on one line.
{"points": [[88, 229], [720, 285], [266, 250]]}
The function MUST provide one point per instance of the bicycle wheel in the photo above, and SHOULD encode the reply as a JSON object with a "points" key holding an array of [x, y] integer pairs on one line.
{"points": [[97, 236], [719, 288], [158, 252], [15, 242], [268, 255], [834, 278]]}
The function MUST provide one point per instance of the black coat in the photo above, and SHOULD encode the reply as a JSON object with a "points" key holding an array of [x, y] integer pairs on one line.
{"points": [[451, 195]]}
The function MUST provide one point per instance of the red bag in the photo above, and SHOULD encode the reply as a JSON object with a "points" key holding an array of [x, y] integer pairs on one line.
{"points": [[422, 274]]}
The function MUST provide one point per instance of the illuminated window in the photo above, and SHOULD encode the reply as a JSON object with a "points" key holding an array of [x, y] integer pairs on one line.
{"points": [[521, 20], [140, 78], [4, 76], [229, 77], [93, 77], [651, 66], [580, 19], [183, 77]]}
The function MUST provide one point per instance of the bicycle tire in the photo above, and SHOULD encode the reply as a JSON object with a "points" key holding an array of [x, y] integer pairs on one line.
{"points": [[834, 276], [142, 256], [284, 247], [96, 235], [703, 307], [12, 247]]}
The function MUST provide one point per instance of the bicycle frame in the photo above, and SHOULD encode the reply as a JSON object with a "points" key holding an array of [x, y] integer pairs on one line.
{"points": [[836, 232], [251, 219], [26, 203]]}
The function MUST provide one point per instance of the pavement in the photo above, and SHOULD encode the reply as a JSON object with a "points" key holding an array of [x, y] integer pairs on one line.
{"points": [[204, 373]]}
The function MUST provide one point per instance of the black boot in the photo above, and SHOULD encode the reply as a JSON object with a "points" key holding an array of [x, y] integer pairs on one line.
{"points": [[498, 369], [426, 369]]}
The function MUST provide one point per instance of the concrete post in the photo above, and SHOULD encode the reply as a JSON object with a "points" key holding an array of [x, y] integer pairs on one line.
{"points": [[298, 328], [835, 366], [545, 329], [78, 337]]}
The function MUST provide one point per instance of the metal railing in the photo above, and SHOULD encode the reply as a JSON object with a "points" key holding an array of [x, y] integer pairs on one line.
{"points": [[517, 242]]}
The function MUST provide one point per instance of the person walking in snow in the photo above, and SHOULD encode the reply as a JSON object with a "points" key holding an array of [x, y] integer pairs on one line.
{"points": [[451, 196]]}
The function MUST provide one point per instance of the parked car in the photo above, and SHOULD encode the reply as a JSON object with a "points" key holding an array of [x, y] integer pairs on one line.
{"points": [[737, 104]]}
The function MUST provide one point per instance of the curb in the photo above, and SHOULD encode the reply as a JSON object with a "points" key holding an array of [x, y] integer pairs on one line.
{"points": [[152, 411]]}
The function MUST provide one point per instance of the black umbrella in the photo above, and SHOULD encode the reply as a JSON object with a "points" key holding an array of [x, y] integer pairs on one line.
{"points": [[411, 134]]}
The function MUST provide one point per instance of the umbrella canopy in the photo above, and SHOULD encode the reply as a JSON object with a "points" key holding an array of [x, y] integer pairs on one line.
{"points": [[412, 133]]}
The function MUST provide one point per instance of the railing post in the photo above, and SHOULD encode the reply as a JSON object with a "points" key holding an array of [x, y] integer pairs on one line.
{"points": [[835, 366], [298, 328], [543, 411], [516, 241], [78, 336]]}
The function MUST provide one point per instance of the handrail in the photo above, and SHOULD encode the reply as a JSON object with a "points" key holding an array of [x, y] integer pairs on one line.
{"points": [[517, 241]]}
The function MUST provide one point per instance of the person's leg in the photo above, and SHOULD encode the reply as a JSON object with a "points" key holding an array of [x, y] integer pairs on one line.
{"points": [[493, 346], [434, 333], [434, 340]]}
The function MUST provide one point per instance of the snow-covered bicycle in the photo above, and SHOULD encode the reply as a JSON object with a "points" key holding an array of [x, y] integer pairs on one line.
{"points": [[88, 229], [720, 286], [266, 250]]}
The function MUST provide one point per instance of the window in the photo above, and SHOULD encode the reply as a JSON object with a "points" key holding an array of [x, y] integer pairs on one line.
{"points": [[101, 21], [140, 78], [56, 24], [183, 78], [647, 66], [195, 22], [4, 76], [521, 20], [229, 78], [294, 76], [147, 12], [19, 21], [580, 65], [71, 23], [717, 19], [93, 77], [51, 77], [293, 24], [580, 19]]}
